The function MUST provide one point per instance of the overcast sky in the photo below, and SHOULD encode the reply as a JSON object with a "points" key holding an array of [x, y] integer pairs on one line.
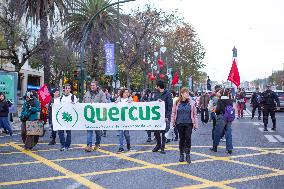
{"points": [[255, 27]]}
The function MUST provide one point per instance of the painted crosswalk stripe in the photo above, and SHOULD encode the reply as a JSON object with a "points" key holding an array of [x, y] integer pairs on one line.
{"points": [[262, 130], [279, 138], [270, 138]]}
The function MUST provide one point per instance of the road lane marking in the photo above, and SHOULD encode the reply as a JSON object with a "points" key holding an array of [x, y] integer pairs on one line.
{"points": [[269, 130], [9, 183], [54, 160], [192, 177], [58, 168], [47, 150], [270, 138], [279, 138]]}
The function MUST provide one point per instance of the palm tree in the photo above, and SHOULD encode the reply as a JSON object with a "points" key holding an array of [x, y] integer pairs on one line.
{"points": [[42, 13], [101, 28]]}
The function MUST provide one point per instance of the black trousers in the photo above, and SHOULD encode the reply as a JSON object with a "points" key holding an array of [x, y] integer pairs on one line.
{"points": [[160, 138], [53, 133], [149, 133], [254, 107], [266, 112], [204, 115], [185, 131], [214, 119]]}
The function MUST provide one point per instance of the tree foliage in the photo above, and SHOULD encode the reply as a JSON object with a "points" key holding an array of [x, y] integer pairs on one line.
{"points": [[62, 61], [16, 46]]}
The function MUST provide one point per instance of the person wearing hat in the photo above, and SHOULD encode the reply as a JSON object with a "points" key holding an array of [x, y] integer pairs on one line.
{"points": [[4, 112], [55, 100], [270, 101], [30, 112]]}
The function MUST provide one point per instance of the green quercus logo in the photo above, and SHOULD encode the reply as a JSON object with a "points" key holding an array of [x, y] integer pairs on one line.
{"points": [[132, 113], [67, 116]]}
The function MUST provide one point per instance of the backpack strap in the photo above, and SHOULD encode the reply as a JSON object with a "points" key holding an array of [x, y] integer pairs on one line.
{"points": [[72, 98], [61, 98]]}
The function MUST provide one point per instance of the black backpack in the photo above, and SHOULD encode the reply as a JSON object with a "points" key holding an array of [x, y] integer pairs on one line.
{"points": [[72, 98]]}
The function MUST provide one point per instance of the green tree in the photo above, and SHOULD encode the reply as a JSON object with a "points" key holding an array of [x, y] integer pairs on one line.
{"points": [[15, 45], [101, 30], [141, 33], [185, 53], [43, 13], [62, 61]]}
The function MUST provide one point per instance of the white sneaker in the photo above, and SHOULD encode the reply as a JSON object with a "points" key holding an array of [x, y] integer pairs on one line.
{"points": [[223, 140]]}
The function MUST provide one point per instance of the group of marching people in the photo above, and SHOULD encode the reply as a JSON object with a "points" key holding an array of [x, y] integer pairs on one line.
{"points": [[180, 112]]}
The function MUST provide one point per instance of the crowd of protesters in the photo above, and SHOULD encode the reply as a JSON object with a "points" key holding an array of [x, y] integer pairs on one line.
{"points": [[181, 110]]}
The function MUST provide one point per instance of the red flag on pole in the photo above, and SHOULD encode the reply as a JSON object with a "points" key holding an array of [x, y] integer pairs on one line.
{"points": [[44, 95], [234, 76], [175, 79]]}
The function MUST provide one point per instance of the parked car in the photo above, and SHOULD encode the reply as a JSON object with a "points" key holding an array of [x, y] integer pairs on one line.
{"points": [[280, 95]]}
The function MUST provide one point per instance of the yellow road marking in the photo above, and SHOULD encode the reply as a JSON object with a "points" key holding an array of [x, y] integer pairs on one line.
{"points": [[56, 167], [3, 145], [206, 183], [49, 150], [192, 177], [21, 163], [32, 180], [55, 160], [184, 163], [252, 178], [116, 171], [197, 186]]}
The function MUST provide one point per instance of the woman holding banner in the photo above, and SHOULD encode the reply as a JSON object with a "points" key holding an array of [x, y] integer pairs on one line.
{"points": [[184, 118], [30, 112], [124, 97]]}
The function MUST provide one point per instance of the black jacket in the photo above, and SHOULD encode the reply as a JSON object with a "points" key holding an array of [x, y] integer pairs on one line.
{"points": [[167, 98], [4, 108], [270, 99], [254, 98], [221, 105]]}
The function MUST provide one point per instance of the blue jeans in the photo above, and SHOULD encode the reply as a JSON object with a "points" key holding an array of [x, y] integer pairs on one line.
{"points": [[65, 142], [213, 117], [5, 123], [90, 137], [221, 126], [123, 134]]}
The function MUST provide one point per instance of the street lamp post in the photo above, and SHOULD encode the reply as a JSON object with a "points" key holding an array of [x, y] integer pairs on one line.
{"points": [[84, 41]]}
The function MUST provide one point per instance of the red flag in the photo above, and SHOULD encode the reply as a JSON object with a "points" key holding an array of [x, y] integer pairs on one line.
{"points": [[234, 76], [44, 95], [175, 79], [160, 62]]}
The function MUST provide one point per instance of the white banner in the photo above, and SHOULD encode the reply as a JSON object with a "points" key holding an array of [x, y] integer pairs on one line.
{"points": [[109, 116]]}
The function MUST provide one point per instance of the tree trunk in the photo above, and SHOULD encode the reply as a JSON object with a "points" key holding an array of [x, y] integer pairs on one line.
{"points": [[128, 79], [45, 49]]}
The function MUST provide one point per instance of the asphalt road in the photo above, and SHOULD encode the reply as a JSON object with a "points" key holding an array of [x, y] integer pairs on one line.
{"points": [[257, 162]]}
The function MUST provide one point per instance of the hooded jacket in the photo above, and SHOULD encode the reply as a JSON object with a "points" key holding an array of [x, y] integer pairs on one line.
{"points": [[222, 103]]}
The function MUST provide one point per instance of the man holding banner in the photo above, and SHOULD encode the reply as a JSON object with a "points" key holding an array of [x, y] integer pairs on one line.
{"points": [[66, 98], [165, 96], [95, 95]]}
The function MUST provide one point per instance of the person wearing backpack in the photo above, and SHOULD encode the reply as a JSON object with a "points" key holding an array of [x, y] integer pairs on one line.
{"points": [[225, 116], [256, 103], [67, 97]]}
